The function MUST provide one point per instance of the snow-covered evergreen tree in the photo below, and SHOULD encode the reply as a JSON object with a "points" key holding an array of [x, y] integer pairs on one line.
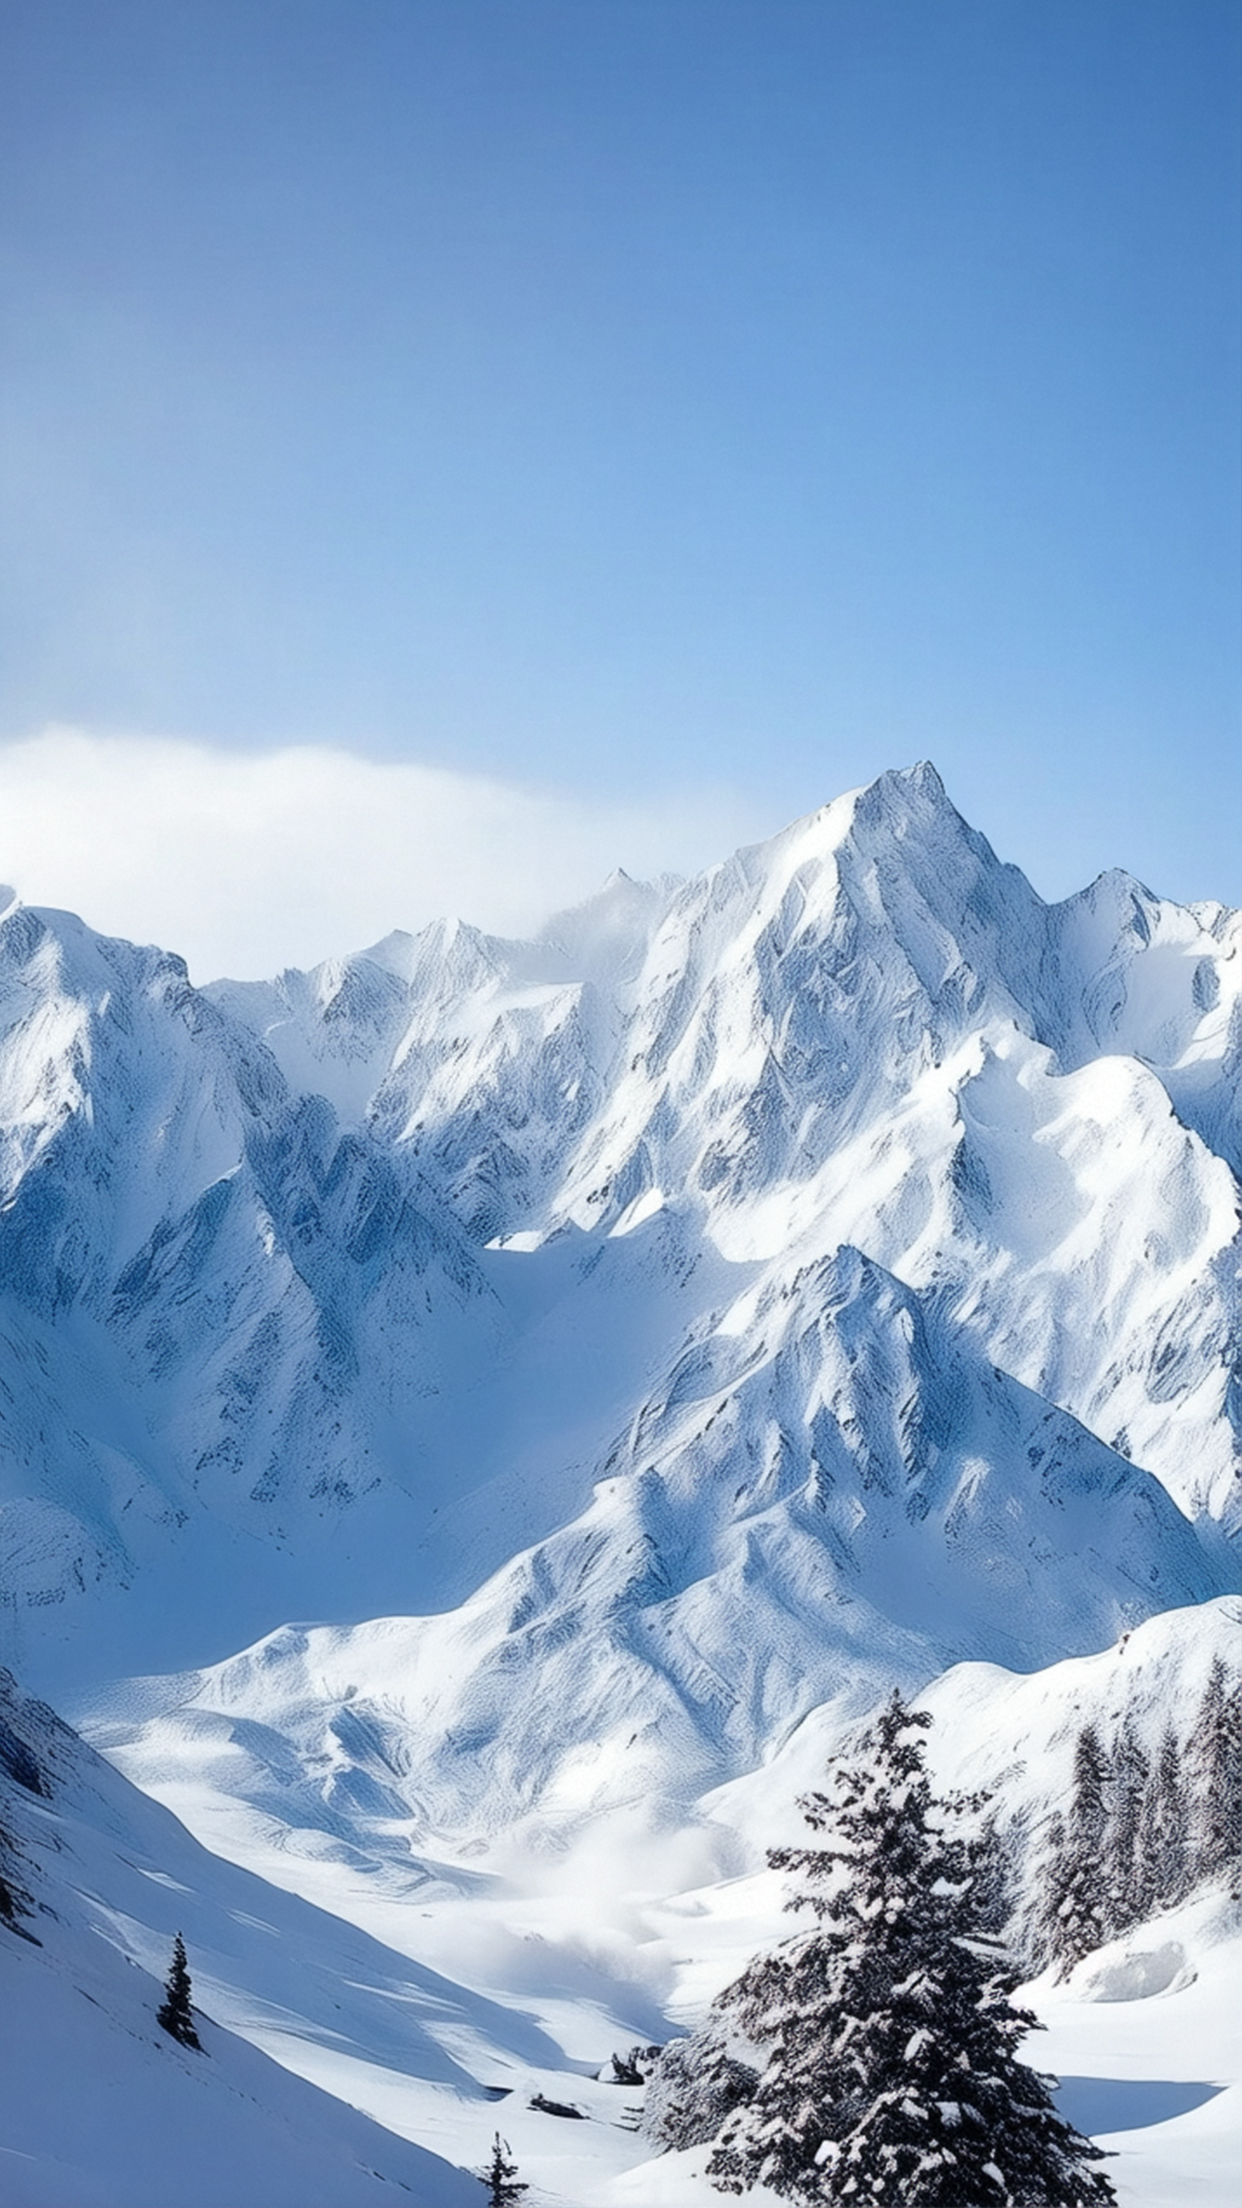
{"points": [[1131, 1891], [998, 1854], [1164, 1859], [1077, 1906], [504, 2187], [1140, 1832], [694, 2086], [892, 2070], [175, 2012], [1214, 1771]]}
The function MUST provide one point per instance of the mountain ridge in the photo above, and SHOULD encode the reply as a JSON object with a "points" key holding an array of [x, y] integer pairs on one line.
{"points": [[231, 1300]]}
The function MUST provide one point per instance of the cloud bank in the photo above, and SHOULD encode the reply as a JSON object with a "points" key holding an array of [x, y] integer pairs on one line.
{"points": [[248, 862]]}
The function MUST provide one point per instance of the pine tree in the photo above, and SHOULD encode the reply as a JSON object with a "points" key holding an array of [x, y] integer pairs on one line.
{"points": [[892, 2071], [692, 2088], [1131, 1891], [997, 1857], [504, 2187], [175, 2013], [1077, 1913], [1214, 1770], [1163, 1857]]}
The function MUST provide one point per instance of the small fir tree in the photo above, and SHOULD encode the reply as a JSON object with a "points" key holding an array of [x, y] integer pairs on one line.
{"points": [[892, 2072], [997, 1856], [175, 2013], [504, 2187]]}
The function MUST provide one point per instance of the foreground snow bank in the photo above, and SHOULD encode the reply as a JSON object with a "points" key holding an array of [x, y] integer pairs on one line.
{"points": [[102, 2108], [1155, 2072]]}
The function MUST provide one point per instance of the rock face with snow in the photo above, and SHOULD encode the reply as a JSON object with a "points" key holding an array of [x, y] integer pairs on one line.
{"points": [[829, 1490], [214, 1300], [852, 1186]]}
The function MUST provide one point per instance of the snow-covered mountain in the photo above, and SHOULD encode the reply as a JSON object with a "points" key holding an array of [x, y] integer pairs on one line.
{"points": [[869, 1030], [245, 1280], [830, 1491], [642, 1346]]}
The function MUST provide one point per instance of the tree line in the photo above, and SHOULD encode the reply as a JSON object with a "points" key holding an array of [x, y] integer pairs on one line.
{"points": [[1141, 1832], [874, 2057]]}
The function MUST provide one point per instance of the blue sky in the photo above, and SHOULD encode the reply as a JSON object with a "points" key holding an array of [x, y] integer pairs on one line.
{"points": [[626, 398]]}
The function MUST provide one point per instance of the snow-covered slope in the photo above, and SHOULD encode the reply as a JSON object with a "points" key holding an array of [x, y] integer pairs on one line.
{"points": [[1142, 2035], [1011, 1733], [305, 2018], [102, 2107], [649, 1934]]}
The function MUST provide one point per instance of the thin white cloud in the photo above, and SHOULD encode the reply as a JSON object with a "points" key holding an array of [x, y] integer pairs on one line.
{"points": [[248, 862]]}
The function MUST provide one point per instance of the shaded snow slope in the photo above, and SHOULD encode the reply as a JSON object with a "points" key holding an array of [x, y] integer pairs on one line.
{"points": [[100, 2106], [214, 1305], [102, 2110]]}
